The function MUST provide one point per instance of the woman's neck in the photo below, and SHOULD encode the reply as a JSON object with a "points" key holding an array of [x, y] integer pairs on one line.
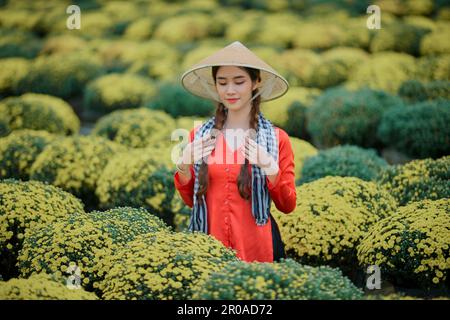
{"points": [[238, 119]]}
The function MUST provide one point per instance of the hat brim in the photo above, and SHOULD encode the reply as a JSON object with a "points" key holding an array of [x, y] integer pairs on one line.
{"points": [[199, 81]]}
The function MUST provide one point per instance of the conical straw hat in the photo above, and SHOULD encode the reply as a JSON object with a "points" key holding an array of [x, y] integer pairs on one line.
{"points": [[199, 80]]}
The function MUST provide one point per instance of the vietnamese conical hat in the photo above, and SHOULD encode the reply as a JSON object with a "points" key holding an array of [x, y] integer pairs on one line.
{"points": [[199, 80]]}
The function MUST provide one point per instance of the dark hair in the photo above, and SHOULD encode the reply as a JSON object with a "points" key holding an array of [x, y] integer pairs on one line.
{"points": [[244, 178]]}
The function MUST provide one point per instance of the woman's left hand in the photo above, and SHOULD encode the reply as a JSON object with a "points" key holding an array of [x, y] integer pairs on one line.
{"points": [[257, 155]]}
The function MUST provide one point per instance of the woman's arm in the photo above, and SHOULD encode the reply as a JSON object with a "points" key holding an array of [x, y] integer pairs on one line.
{"points": [[282, 191], [186, 187]]}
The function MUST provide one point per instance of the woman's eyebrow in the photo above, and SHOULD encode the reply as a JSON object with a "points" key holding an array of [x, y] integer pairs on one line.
{"points": [[224, 78]]}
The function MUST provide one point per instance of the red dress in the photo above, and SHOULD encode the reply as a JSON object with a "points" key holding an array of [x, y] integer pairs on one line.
{"points": [[230, 219]]}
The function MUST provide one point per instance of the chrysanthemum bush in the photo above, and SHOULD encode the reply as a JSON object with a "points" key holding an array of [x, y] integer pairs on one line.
{"points": [[420, 130], [18, 43], [75, 164], [284, 280], [39, 112], [62, 75], [331, 216], [164, 265], [140, 178], [418, 180], [344, 161], [302, 150], [383, 71], [433, 67], [13, 69], [176, 101], [124, 224], [411, 247], [341, 116], [416, 91], [26, 205], [61, 247], [277, 111], [19, 150], [117, 91], [41, 287], [136, 128]]}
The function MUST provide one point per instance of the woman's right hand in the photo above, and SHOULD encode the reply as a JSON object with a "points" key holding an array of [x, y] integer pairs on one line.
{"points": [[197, 150]]}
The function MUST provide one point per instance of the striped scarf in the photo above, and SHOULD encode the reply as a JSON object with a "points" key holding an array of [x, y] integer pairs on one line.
{"points": [[261, 200]]}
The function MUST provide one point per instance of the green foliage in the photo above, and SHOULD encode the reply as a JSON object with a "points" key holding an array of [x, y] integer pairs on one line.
{"points": [[340, 116], [420, 130], [13, 70], [398, 37], [16, 43], [176, 101], [285, 280], [416, 91], [344, 161]]}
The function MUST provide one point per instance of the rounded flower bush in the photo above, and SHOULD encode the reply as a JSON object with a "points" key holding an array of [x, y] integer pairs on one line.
{"points": [[117, 91], [285, 280], [411, 247], [418, 180], [416, 91], [420, 130], [340, 116], [278, 111], [41, 287], [176, 101], [331, 216], [75, 164], [164, 265], [383, 71], [61, 75], [64, 246], [26, 205], [302, 151], [124, 224], [136, 128], [344, 161], [19, 150], [433, 67], [139, 178], [39, 112], [13, 70]]}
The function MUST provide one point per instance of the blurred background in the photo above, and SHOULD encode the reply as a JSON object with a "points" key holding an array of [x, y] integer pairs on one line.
{"points": [[91, 110]]}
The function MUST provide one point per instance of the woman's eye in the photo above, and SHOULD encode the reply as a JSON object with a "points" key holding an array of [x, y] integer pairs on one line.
{"points": [[223, 84]]}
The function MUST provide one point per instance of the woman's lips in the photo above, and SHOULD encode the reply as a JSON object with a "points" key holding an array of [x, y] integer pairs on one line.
{"points": [[232, 100]]}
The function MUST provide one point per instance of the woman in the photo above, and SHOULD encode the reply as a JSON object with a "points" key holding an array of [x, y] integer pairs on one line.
{"points": [[237, 162]]}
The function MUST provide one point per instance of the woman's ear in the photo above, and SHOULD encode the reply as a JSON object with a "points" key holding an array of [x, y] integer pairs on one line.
{"points": [[256, 84]]}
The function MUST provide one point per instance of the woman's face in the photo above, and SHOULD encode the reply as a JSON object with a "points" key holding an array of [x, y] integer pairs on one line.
{"points": [[234, 86]]}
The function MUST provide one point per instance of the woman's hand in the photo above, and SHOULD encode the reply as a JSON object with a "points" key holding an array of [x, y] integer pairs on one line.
{"points": [[257, 155], [197, 150]]}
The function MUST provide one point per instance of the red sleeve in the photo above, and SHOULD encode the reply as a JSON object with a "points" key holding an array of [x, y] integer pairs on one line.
{"points": [[186, 190], [283, 191]]}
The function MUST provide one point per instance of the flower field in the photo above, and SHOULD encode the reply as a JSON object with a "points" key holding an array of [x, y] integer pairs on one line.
{"points": [[88, 206]]}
